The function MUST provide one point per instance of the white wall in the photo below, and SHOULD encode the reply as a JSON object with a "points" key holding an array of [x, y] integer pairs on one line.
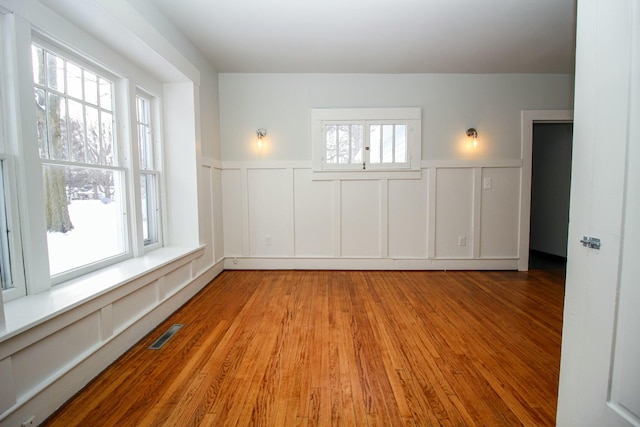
{"points": [[450, 104], [378, 223]]}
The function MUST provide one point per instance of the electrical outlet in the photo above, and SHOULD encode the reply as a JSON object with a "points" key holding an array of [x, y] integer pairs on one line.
{"points": [[486, 184], [267, 240], [31, 421], [462, 240]]}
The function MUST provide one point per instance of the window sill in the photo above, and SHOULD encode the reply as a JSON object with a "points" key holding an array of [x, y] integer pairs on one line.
{"points": [[32, 310]]}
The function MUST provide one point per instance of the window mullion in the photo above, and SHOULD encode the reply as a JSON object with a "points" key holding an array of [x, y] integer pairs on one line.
{"points": [[379, 144], [85, 136], [101, 154], [367, 143], [65, 163]]}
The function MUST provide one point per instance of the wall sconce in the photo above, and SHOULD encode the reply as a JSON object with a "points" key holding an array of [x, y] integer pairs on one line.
{"points": [[472, 133], [261, 133]]}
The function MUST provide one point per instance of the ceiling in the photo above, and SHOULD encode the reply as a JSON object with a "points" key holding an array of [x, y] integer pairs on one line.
{"points": [[380, 36]]}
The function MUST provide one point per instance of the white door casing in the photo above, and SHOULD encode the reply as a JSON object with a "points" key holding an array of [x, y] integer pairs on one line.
{"points": [[600, 364]]}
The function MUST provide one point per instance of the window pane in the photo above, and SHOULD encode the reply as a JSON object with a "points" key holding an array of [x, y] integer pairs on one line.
{"points": [[41, 123], [401, 144], [37, 58], [6, 281], [149, 208], [74, 80], [57, 127], [105, 94], [90, 87], [93, 136], [84, 213], [55, 72], [356, 144], [344, 143], [387, 143], [374, 142], [106, 130], [331, 136], [145, 207], [143, 110], [77, 131], [144, 137], [145, 142]]}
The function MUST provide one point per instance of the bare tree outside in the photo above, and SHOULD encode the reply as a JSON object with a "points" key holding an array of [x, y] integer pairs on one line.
{"points": [[52, 137]]}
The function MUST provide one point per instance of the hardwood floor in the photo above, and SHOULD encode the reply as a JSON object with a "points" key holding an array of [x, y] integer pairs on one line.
{"points": [[298, 348]]}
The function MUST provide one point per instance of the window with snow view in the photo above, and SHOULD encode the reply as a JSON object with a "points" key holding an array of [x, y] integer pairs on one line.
{"points": [[355, 143], [83, 181]]}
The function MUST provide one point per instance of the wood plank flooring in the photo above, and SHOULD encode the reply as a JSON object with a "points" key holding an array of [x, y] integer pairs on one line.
{"points": [[319, 348]]}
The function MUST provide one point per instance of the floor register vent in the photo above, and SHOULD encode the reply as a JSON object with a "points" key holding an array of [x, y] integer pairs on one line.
{"points": [[165, 337]]}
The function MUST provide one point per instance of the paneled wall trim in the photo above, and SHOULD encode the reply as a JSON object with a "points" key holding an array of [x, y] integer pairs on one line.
{"points": [[99, 317], [455, 215]]}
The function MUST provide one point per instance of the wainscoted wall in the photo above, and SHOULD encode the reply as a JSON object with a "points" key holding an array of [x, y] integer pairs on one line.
{"points": [[277, 216], [454, 216], [43, 365]]}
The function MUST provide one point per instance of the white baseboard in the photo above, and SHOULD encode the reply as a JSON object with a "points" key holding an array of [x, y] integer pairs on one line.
{"points": [[247, 263]]}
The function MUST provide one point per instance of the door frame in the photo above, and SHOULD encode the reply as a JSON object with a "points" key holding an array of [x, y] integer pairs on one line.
{"points": [[529, 117]]}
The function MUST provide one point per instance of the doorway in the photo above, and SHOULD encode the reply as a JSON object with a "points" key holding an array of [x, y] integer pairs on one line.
{"points": [[529, 119], [550, 190]]}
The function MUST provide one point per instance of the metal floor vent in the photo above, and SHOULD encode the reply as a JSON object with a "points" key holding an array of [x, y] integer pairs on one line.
{"points": [[165, 337]]}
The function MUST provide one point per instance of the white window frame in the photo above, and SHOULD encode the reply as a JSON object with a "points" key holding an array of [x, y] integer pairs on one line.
{"points": [[11, 238], [22, 165], [120, 166], [156, 168], [322, 117]]}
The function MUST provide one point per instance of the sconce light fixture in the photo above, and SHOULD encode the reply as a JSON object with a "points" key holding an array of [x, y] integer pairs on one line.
{"points": [[261, 133], [472, 133]]}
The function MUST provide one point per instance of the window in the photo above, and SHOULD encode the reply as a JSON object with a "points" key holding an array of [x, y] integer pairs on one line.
{"points": [[6, 279], [388, 144], [344, 144], [12, 284], [11, 268], [83, 181], [149, 174], [366, 140]]}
